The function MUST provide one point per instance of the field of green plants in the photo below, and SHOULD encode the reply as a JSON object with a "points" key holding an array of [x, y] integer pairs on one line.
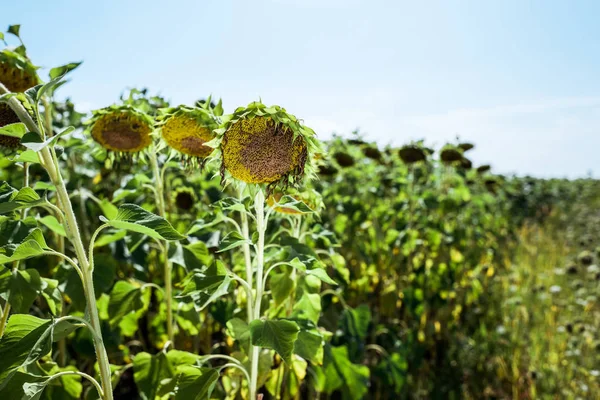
{"points": [[159, 251]]}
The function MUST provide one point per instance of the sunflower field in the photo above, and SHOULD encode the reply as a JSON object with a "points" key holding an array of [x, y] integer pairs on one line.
{"points": [[158, 251]]}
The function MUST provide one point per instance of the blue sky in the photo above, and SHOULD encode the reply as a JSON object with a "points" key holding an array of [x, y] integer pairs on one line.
{"points": [[518, 78]]}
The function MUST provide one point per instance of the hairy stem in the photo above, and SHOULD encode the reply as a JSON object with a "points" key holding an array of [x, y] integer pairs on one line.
{"points": [[259, 208], [160, 204], [50, 163]]}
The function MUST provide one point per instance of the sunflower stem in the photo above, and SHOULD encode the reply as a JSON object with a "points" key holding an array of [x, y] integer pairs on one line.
{"points": [[259, 208], [247, 260], [50, 163], [160, 204]]}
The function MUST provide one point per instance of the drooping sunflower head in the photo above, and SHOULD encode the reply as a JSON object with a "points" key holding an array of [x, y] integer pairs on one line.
{"points": [[266, 145], [450, 154], [184, 198], [187, 130], [484, 168], [412, 153], [17, 74], [466, 146], [121, 129]]}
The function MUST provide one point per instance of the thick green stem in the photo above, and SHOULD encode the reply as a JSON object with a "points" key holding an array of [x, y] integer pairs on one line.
{"points": [[259, 208], [88, 283], [160, 204], [50, 163], [248, 262]]}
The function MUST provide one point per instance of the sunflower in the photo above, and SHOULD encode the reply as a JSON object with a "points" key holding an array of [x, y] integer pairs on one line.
{"points": [[372, 152], [466, 146], [412, 153], [450, 154], [466, 163], [483, 168], [188, 129], [17, 74], [184, 199], [266, 145], [343, 159], [121, 129]]}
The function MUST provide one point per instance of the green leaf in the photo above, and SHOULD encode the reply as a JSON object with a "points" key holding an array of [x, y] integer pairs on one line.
{"points": [[52, 223], [309, 345], [33, 245], [109, 210], [282, 286], [14, 29], [29, 156], [240, 331], [322, 275], [17, 129], [149, 371], [279, 335], [195, 383], [308, 307], [14, 388], [13, 200], [52, 295], [125, 298], [353, 379], [26, 339], [204, 287], [290, 203], [134, 218], [63, 69], [34, 142], [104, 240], [232, 240], [24, 287], [356, 321]]}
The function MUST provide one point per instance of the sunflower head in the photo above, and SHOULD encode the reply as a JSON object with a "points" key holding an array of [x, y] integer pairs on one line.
{"points": [[343, 159], [412, 153], [121, 129], [372, 152], [184, 199], [483, 168], [466, 163], [17, 74], [187, 130], [466, 146], [266, 145], [450, 154]]}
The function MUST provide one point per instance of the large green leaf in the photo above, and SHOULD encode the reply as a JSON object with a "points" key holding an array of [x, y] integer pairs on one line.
{"points": [[279, 335], [204, 287], [12, 199], [309, 344], [308, 307], [149, 371], [134, 218], [33, 245], [52, 223], [194, 383], [239, 330], [125, 299], [282, 286], [14, 388], [21, 287], [342, 374], [26, 339], [356, 321]]}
